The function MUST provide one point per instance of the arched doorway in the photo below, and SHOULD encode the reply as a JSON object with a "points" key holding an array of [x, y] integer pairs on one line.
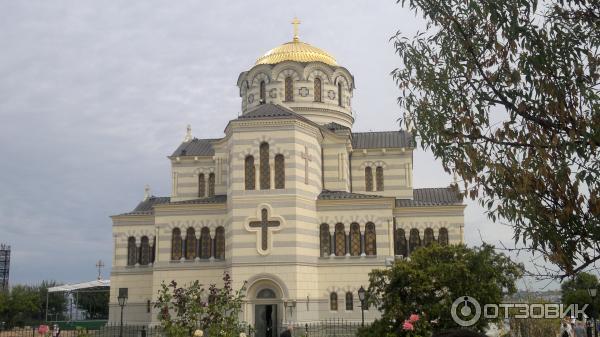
{"points": [[265, 302]]}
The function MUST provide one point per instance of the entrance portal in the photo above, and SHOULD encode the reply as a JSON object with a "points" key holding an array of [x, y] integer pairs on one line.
{"points": [[265, 320]]}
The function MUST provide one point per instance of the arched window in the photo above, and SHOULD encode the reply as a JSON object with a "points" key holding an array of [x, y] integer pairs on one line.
{"points": [[201, 185], [370, 239], [428, 237], [414, 240], [349, 301], [340, 93], [211, 185], [220, 243], [325, 240], [279, 171], [266, 293], [443, 236], [153, 251], [333, 302], [340, 240], [318, 89], [190, 244], [205, 249], [131, 251], [379, 178], [263, 92], [400, 247], [176, 244], [368, 179], [144, 251], [250, 173], [355, 239], [289, 89], [265, 172]]}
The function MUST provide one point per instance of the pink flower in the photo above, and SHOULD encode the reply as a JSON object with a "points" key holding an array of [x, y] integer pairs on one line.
{"points": [[413, 318], [43, 329], [408, 326]]}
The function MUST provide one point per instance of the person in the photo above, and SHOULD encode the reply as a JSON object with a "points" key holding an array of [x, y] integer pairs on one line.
{"points": [[579, 329], [287, 332], [55, 331], [565, 328], [458, 333]]}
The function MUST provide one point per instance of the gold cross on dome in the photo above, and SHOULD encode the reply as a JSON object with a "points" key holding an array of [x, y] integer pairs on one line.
{"points": [[296, 22]]}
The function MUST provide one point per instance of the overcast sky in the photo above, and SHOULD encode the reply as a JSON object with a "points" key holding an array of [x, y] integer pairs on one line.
{"points": [[95, 94]]}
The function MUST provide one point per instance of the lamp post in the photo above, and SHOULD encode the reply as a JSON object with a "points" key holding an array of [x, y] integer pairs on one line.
{"points": [[361, 297], [122, 298], [593, 292]]}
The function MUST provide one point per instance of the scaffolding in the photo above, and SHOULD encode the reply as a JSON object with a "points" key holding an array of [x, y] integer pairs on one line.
{"points": [[4, 266]]}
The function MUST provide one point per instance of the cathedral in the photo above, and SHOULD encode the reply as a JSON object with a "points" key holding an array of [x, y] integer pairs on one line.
{"points": [[289, 200]]}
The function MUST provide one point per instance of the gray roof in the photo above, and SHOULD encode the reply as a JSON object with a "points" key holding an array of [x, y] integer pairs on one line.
{"points": [[195, 147], [146, 207], [269, 110], [432, 197], [340, 195], [384, 139], [333, 126]]}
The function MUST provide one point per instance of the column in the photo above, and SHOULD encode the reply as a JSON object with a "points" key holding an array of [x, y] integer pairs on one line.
{"points": [[257, 175], [272, 173]]}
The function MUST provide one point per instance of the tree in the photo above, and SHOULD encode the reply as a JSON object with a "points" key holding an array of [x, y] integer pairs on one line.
{"points": [[506, 94], [575, 291], [213, 310], [25, 304], [433, 278], [95, 304]]}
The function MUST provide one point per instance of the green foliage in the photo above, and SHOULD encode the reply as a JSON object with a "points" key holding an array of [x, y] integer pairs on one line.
{"points": [[95, 304], [506, 94], [81, 332], [430, 281], [575, 291], [215, 310], [25, 304]]}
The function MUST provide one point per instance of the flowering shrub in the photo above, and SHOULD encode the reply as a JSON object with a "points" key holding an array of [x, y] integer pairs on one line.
{"points": [[415, 327], [194, 310], [43, 329]]}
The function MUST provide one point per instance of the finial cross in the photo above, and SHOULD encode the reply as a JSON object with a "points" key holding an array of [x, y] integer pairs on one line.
{"points": [[99, 265], [264, 225], [296, 22]]}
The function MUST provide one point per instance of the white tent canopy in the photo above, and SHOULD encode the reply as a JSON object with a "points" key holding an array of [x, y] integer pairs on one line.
{"points": [[91, 285]]}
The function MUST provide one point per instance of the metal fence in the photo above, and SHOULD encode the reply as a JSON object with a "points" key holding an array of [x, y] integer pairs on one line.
{"points": [[328, 328]]}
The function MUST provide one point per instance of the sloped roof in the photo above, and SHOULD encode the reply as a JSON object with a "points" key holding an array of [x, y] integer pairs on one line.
{"points": [[91, 285], [146, 207], [333, 126], [432, 197], [341, 195], [269, 110], [383, 139], [195, 147]]}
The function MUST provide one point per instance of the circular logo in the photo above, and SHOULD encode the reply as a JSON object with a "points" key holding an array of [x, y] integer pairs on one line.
{"points": [[469, 307]]}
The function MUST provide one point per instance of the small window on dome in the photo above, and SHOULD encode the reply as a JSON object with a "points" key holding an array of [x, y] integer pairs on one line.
{"points": [[263, 92], [318, 89], [339, 93], [289, 89]]}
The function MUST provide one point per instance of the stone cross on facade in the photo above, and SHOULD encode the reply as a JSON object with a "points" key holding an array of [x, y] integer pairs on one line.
{"points": [[306, 158], [264, 225]]}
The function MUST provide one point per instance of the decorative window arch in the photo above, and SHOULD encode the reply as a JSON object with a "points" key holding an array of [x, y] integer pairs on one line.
{"points": [[220, 243], [355, 239], [176, 244], [145, 251], [349, 301], [266, 293], [333, 301], [265, 172], [211, 185], [400, 245], [428, 237], [443, 236], [339, 87], [370, 239], [325, 240], [263, 92], [279, 171], [340, 240], [414, 240], [250, 173], [289, 89], [205, 243], [201, 186], [318, 87], [131, 251], [379, 178], [190, 244], [368, 179]]}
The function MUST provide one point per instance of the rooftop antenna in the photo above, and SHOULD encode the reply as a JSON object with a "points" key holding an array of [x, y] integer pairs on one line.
{"points": [[188, 134], [99, 265]]}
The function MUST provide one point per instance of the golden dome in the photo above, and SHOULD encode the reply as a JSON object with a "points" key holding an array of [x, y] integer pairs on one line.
{"points": [[296, 51]]}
